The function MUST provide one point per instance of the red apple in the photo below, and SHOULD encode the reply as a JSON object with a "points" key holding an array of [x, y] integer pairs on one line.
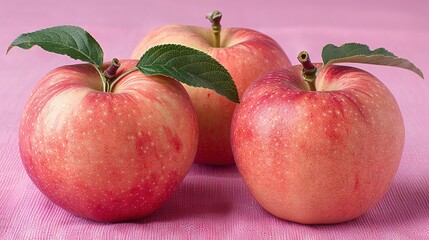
{"points": [[322, 156], [245, 53], [108, 156]]}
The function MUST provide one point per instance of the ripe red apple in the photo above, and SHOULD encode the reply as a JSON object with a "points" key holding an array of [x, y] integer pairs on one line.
{"points": [[108, 156], [245, 53], [322, 156]]}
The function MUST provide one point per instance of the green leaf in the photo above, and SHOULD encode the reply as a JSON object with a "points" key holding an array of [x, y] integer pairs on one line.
{"points": [[189, 66], [360, 53], [72, 41]]}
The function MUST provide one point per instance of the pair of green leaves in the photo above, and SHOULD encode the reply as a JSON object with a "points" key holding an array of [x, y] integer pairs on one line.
{"points": [[187, 65]]}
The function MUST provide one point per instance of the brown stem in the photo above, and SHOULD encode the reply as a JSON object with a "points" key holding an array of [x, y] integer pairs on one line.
{"points": [[308, 69], [215, 17], [110, 72]]}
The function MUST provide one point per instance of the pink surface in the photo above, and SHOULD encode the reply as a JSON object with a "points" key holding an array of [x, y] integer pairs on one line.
{"points": [[213, 202]]}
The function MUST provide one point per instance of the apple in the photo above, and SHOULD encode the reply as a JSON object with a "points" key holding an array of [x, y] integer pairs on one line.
{"points": [[108, 156], [111, 142], [322, 155], [245, 53]]}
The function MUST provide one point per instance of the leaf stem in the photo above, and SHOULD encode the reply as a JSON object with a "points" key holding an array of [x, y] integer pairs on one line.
{"points": [[112, 85], [308, 69], [215, 17], [103, 78]]}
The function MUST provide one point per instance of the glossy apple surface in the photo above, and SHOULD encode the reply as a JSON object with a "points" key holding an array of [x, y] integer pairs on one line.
{"points": [[318, 157], [245, 53], [108, 156]]}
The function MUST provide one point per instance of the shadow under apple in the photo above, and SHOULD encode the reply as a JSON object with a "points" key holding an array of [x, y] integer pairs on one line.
{"points": [[206, 193], [407, 200]]}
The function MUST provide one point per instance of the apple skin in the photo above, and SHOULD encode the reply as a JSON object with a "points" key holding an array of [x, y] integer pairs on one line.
{"points": [[108, 157], [318, 157], [245, 53]]}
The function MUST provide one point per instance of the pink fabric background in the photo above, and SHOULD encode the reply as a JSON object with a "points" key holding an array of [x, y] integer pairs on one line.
{"points": [[212, 202]]}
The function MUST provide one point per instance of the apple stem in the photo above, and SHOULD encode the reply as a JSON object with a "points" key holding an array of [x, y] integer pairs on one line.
{"points": [[110, 72], [308, 70], [215, 17], [109, 75]]}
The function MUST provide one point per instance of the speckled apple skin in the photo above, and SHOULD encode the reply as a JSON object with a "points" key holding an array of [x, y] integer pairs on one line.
{"points": [[107, 156], [245, 53], [318, 157]]}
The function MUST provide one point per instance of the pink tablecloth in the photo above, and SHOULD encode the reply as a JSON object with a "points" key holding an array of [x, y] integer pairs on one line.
{"points": [[212, 202]]}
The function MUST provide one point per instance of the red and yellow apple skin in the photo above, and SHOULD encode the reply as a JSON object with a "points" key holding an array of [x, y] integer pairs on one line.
{"points": [[318, 157], [245, 53], [108, 156]]}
